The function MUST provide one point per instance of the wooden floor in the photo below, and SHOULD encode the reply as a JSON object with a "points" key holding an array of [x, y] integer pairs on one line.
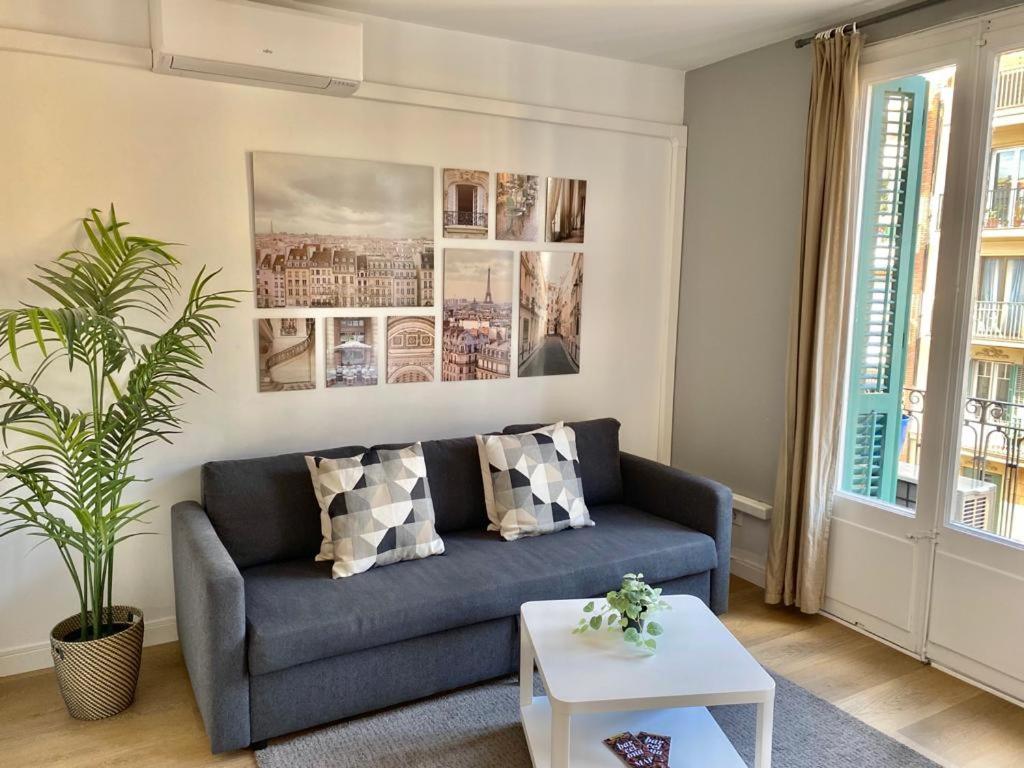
{"points": [[946, 719]]}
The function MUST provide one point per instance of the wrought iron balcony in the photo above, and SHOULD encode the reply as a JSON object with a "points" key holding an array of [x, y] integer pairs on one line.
{"points": [[1004, 207], [991, 450], [1010, 88], [998, 320], [465, 218]]}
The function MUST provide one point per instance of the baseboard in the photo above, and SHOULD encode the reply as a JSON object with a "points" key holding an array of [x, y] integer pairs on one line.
{"points": [[748, 566], [27, 658]]}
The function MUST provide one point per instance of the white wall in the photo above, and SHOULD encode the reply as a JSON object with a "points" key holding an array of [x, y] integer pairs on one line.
{"points": [[399, 53], [171, 153]]}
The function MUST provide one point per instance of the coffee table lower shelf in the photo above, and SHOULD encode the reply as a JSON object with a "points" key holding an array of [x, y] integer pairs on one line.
{"points": [[697, 741]]}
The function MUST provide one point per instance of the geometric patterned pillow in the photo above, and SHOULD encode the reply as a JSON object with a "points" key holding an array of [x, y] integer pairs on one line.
{"points": [[376, 507], [535, 481], [493, 516]]}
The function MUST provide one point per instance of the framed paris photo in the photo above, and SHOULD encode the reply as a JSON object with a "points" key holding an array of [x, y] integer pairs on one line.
{"points": [[410, 349], [476, 339], [336, 232], [350, 351], [464, 202], [550, 303], [566, 212], [287, 353], [517, 207]]}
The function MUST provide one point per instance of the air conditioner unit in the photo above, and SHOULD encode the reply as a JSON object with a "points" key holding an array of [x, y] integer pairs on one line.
{"points": [[256, 44], [976, 501]]}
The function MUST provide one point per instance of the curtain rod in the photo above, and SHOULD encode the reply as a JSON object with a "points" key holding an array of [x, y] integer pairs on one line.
{"points": [[894, 13]]}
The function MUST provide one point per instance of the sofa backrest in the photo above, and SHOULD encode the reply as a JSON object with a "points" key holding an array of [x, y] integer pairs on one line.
{"points": [[264, 509], [456, 484], [597, 443]]}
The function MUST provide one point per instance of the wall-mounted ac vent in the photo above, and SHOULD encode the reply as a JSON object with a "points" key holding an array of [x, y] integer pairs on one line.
{"points": [[254, 44]]}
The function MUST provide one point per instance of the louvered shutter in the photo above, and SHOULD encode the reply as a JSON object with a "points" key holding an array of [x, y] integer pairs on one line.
{"points": [[885, 266]]}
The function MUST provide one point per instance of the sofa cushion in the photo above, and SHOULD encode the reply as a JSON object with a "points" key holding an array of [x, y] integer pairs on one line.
{"points": [[532, 482], [597, 441], [375, 508], [264, 509], [296, 613], [453, 471]]}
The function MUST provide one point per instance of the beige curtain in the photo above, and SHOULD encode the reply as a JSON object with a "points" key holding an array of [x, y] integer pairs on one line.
{"points": [[815, 375]]}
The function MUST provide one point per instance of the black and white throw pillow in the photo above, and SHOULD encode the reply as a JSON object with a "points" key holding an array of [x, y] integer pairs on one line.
{"points": [[376, 507], [532, 482]]}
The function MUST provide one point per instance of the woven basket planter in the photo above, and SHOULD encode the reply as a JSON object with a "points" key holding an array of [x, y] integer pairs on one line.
{"points": [[97, 677]]}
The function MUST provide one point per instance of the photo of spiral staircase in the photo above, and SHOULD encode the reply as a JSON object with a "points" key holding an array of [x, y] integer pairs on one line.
{"points": [[286, 360]]}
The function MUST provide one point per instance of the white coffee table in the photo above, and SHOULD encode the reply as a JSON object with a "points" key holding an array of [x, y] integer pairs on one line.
{"points": [[598, 686]]}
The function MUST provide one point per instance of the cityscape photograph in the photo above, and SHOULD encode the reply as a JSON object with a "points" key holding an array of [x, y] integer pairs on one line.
{"points": [[566, 210], [334, 232], [550, 300], [464, 202], [410, 349], [476, 341], [287, 353], [350, 351], [516, 207]]}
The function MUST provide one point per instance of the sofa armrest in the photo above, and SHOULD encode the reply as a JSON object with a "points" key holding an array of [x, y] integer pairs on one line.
{"points": [[209, 600], [689, 500]]}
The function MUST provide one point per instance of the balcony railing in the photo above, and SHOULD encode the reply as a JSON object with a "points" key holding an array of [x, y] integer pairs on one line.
{"points": [[465, 218], [1010, 89], [991, 449], [999, 320], [1004, 208]]}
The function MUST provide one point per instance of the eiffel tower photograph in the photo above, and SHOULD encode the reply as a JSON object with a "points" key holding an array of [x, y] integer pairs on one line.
{"points": [[477, 333]]}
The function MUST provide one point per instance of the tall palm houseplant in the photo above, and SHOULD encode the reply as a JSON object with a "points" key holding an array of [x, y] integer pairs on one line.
{"points": [[65, 469]]}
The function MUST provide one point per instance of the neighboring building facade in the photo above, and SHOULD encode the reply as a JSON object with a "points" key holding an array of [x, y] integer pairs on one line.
{"points": [[990, 493]]}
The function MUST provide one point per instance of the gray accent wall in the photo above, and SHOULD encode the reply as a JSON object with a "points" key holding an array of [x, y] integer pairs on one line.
{"points": [[746, 118], [745, 154]]}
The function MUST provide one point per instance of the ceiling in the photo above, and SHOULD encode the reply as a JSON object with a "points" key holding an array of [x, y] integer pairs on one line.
{"points": [[682, 34]]}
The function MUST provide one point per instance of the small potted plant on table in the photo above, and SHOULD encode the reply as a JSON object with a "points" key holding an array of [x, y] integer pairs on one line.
{"points": [[628, 609]]}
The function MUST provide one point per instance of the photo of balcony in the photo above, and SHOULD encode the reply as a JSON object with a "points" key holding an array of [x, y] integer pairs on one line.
{"points": [[464, 202]]}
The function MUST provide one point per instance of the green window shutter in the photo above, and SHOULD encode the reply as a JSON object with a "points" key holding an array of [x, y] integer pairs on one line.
{"points": [[1016, 386], [885, 267]]}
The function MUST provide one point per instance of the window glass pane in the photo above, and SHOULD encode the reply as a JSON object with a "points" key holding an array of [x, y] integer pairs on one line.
{"points": [[904, 173], [989, 495]]}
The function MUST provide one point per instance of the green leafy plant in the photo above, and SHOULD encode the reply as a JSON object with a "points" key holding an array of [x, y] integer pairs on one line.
{"points": [[65, 469], [628, 610]]}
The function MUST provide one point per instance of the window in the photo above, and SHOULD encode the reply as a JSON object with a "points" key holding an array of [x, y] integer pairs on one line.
{"points": [[993, 381], [1005, 207], [903, 172]]}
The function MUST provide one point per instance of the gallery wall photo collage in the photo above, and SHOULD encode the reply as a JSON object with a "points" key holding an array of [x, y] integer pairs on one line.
{"points": [[358, 237]]}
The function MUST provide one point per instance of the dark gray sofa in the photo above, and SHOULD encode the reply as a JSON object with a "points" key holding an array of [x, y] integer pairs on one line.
{"points": [[274, 645]]}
